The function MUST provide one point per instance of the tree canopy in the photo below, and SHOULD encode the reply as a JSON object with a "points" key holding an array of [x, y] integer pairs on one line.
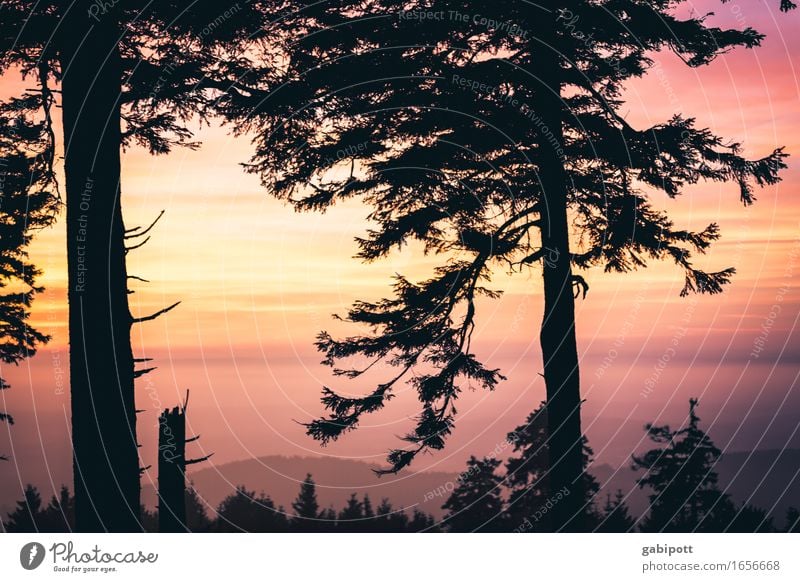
{"points": [[433, 124], [28, 203], [681, 474]]}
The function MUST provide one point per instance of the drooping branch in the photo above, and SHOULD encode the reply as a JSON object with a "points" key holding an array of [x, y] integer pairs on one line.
{"points": [[580, 285]]}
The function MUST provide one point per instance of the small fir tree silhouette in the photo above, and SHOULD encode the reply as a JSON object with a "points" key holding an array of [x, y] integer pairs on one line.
{"points": [[59, 515], [244, 511], [615, 517], [197, 519], [476, 504], [328, 519], [25, 517], [351, 517], [680, 473], [532, 501], [389, 520], [421, 522], [306, 507]]}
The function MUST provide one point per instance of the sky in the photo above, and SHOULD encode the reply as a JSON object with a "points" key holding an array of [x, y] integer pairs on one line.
{"points": [[257, 281]]}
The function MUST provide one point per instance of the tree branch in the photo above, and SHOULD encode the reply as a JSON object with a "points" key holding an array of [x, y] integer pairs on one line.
{"points": [[156, 314], [134, 247], [131, 233], [200, 460]]}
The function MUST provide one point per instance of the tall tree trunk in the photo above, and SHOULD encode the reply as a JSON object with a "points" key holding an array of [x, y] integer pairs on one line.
{"points": [[172, 471], [105, 455], [559, 348]]}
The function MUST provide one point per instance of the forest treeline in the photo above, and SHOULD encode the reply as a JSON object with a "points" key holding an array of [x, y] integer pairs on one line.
{"points": [[678, 473]]}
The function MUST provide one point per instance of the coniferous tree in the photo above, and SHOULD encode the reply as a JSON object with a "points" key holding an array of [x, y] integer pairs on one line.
{"points": [[197, 519], [388, 520], [615, 517], [28, 203], [421, 522], [25, 517], [476, 504], [244, 511], [531, 498], [369, 513], [328, 520], [351, 517], [495, 148], [59, 515], [124, 74], [680, 473], [306, 507]]}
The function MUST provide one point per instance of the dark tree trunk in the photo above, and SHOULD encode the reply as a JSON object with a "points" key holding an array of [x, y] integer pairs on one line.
{"points": [[172, 471], [105, 455], [559, 348]]}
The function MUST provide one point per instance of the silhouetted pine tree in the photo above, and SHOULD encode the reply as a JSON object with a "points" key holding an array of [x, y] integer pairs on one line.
{"points": [[306, 507], [388, 520], [59, 515], [28, 202], [26, 516], [476, 504], [615, 517], [681, 475], [369, 513], [351, 517], [243, 511], [328, 520], [486, 147], [197, 519], [126, 74], [531, 500], [422, 522]]}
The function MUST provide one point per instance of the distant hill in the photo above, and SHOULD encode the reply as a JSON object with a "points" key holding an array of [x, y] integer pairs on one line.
{"points": [[768, 479], [336, 479]]}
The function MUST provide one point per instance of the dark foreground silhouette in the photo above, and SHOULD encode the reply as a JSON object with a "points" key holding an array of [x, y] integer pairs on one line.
{"points": [[678, 473]]}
